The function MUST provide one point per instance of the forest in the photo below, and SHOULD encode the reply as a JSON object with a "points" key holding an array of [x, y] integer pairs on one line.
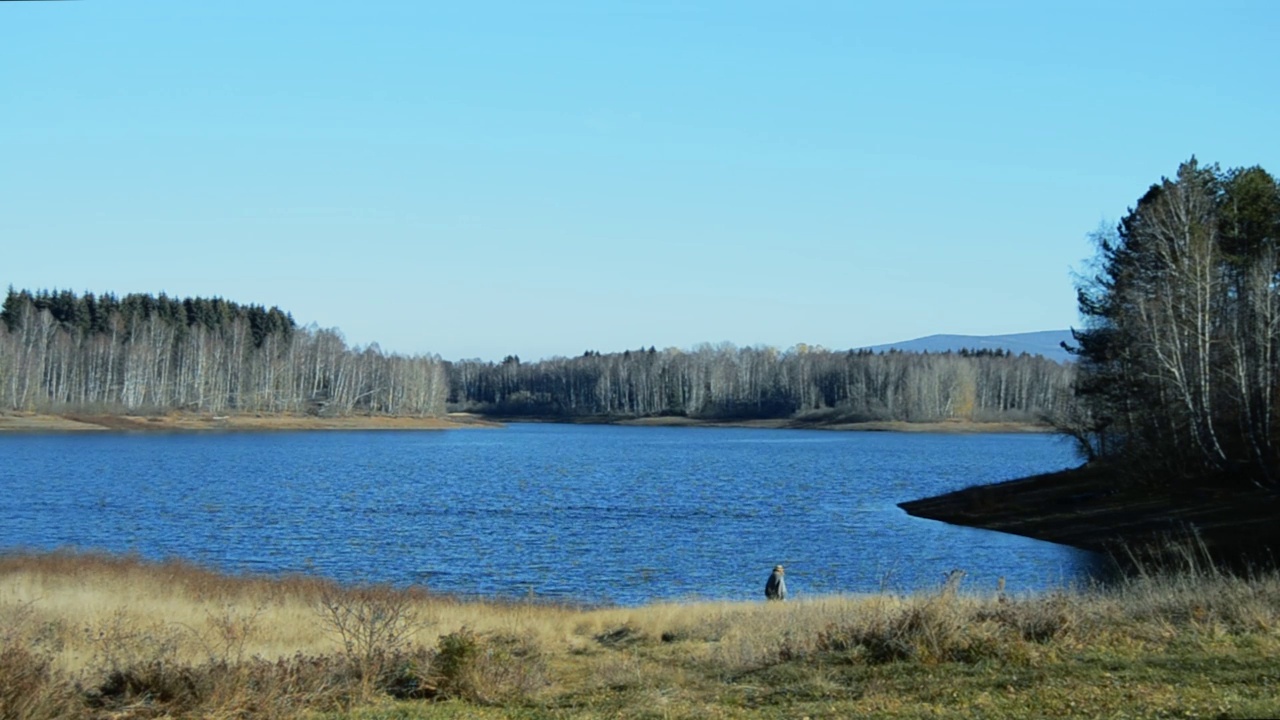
{"points": [[1180, 351], [63, 351], [725, 382], [1178, 372]]}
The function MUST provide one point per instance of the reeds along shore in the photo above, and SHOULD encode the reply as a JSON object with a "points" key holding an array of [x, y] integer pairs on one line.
{"points": [[96, 636]]}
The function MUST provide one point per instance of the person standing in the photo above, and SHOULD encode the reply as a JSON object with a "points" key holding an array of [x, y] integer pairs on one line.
{"points": [[775, 588]]}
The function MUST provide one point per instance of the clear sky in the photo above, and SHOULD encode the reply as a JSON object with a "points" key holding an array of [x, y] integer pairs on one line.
{"points": [[541, 178]]}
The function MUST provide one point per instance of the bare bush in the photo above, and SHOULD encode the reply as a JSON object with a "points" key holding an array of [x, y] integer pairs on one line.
{"points": [[228, 630], [369, 621], [121, 644], [375, 625]]}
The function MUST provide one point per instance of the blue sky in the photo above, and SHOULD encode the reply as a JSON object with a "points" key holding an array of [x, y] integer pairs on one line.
{"points": [[478, 179]]}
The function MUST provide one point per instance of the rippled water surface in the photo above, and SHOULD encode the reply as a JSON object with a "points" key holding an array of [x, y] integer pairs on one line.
{"points": [[589, 513]]}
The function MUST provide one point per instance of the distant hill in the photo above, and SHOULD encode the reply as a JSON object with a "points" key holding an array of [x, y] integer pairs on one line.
{"points": [[1044, 342]]}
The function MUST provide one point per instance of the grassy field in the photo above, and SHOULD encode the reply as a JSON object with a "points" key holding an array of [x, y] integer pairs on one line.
{"points": [[92, 636]]}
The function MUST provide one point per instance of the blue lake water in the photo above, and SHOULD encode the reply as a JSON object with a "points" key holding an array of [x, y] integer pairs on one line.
{"points": [[587, 513]]}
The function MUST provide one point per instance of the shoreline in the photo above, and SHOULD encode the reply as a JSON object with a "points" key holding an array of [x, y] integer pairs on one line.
{"points": [[36, 423], [1087, 508], [943, 426], [72, 422]]}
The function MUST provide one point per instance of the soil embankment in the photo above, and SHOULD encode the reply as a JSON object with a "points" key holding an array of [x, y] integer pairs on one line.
{"points": [[198, 422], [191, 422], [944, 426], [1087, 508]]}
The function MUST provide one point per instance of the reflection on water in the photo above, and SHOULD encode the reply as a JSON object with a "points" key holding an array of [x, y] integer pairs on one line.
{"points": [[588, 513]]}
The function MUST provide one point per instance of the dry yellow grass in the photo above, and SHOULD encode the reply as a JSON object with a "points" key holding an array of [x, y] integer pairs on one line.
{"points": [[93, 636], [83, 597]]}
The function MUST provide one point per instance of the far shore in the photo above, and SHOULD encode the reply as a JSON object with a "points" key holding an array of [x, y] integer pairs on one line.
{"points": [[943, 426], [29, 422], [33, 422]]}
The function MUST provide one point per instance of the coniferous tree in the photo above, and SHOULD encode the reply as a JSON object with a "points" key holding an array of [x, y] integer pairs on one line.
{"points": [[1180, 352]]}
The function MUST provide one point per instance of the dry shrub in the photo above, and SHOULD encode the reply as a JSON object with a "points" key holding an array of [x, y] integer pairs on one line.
{"points": [[941, 627], [619, 672], [141, 668], [621, 636], [255, 688], [325, 683], [1210, 602], [228, 630], [260, 688], [751, 636], [1039, 619], [376, 626], [120, 645], [489, 668], [1174, 582], [166, 687], [409, 675], [29, 689], [135, 663], [928, 632]]}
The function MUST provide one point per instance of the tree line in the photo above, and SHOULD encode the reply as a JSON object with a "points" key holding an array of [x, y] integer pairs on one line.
{"points": [[1180, 350], [729, 382], [63, 351]]}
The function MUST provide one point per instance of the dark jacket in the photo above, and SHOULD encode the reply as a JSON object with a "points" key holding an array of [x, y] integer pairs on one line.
{"points": [[775, 588]]}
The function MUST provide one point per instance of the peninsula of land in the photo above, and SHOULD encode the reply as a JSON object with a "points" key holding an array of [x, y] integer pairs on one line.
{"points": [[1088, 508]]}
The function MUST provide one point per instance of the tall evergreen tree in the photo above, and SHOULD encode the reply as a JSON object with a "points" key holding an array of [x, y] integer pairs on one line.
{"points": [[1180, 352]]}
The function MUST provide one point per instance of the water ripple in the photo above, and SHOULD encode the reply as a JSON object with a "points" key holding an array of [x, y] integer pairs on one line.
{"points": [[589, 513]]}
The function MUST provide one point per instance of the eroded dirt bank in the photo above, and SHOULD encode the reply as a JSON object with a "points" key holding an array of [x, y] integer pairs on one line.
{"points": [[201, 422], [1088, 509], [75, 422], [945, 426]]}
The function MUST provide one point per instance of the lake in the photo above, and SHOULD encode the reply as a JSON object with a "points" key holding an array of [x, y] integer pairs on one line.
{"points": [[585, 513]]}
